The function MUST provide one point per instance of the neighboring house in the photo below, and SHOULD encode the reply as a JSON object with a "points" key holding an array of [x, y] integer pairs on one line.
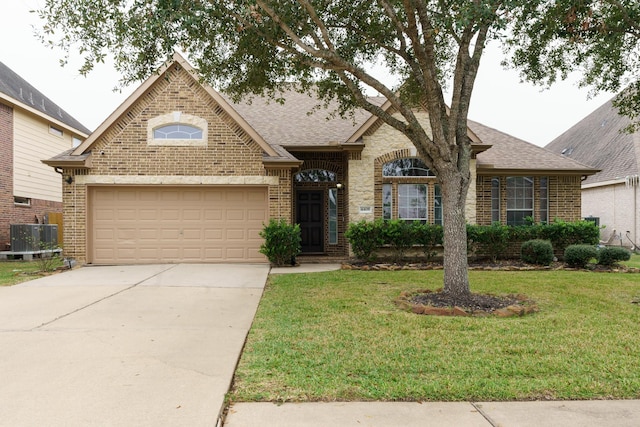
{"points": [[32, 128], [613, 194], [179, 174]]}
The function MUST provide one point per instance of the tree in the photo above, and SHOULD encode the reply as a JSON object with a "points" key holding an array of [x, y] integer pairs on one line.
{"points": [[255, 46], [599, 39]]}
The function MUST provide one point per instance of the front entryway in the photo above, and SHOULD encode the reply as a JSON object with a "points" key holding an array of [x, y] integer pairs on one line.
{"points": [[310, 217]]}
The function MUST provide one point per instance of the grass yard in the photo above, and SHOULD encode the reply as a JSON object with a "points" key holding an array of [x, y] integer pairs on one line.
{"points": [[13, 272], [633, 262], [338, 336]]}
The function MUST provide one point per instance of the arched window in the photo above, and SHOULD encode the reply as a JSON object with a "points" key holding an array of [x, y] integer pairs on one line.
{"points": [[406, 167], [315, 175], [177, 131]]}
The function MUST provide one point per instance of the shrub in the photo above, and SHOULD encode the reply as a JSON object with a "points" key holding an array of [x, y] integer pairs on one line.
{"points": [[489, 240], [539, 252], [613, 254], [282, 242], [578, 256], [399, 235], [429, 236], [365, 238]]}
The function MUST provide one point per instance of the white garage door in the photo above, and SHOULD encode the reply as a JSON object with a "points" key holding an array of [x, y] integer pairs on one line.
{"points": [[130, 225]]}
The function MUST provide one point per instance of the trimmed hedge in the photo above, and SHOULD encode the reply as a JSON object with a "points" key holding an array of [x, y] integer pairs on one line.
{"points": [[613, 254], [485, 241], [537, 251], [578, 256]]}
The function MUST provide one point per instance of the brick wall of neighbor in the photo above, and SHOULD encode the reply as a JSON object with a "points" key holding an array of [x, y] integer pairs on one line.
{"points": [[564, 198], [122, 150], [9, 212]]}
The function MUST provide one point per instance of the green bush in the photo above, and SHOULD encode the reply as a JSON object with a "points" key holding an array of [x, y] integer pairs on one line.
{"points": [[488, 240], [537, 251], [428, 236], [282, 242], [578, 256], [400, 236], [613, 254], [365, 238]]}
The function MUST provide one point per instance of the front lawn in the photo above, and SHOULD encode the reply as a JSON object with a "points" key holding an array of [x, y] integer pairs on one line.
{"points": [[339, 336], [633, 262]]}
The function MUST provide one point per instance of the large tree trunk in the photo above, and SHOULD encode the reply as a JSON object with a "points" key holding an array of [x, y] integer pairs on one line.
{"points": [[454, 195]]}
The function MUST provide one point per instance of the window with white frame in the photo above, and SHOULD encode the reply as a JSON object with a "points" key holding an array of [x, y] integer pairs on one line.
{"points": [[405, 191], [519, 200], [495, 199]]}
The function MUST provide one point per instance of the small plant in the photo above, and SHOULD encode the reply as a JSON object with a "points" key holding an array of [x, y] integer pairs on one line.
{"points": [[613, 254], [578, 256], [539, 252], [282, 242], [365, 238]]}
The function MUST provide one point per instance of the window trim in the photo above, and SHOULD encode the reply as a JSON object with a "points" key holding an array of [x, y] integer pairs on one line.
{"points": [[56, 131], [401, 198], [531, 210], [22, 201]]}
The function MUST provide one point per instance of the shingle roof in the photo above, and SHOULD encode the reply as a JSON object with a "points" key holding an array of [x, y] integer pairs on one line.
{"points": [[14, 86], [297, 122], [509, 153], [597, 140]]}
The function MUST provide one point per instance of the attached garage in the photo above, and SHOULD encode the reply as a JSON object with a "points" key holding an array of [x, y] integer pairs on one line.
{"points": [[159, 224]]}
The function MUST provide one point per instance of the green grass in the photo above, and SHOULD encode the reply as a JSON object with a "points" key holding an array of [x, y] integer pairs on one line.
{"points": [[338, 336], [13, 272], [633, 262]]}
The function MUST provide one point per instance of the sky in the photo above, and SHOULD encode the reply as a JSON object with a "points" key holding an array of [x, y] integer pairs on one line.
{"points": [[499, 100]]}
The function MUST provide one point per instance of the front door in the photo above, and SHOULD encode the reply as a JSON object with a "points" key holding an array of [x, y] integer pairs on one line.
{"points": [[309, 215]]}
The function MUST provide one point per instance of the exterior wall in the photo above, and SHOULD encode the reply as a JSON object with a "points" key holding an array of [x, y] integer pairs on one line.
{"points": [[122, 155], [10, 213], [617, 207], [365, 173], [33, 143], [564, 198]]}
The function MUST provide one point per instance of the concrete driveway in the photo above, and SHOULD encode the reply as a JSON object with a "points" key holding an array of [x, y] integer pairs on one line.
{"points": [[152, 345]]}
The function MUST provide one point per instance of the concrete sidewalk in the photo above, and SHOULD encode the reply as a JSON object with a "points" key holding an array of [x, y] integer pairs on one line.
{"points": [[601, 413], [152, 345]]}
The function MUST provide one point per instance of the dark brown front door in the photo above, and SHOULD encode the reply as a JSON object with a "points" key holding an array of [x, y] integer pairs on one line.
{"points": [[311, 219]]}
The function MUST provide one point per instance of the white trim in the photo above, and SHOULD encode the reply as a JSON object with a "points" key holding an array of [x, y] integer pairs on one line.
{"points": [[176, 180], [604, 183]]}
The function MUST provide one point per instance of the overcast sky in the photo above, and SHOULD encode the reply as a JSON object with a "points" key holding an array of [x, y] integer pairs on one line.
{"points": [[499, 101]]}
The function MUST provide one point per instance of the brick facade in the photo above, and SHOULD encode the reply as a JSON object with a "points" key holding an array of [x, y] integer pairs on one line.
{"points": [[122, 155]]}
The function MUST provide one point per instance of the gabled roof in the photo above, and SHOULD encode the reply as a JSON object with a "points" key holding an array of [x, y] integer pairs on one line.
{"points": [[509, 154], [597, 140], [85, 147], [300, 121], [17, 91]]}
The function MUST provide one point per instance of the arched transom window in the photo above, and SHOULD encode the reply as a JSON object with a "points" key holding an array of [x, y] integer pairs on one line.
{"points": [[315, 175], [177, 129], [406, 167]]}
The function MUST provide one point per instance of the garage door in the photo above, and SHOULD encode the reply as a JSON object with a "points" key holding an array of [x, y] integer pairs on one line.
{"points": [[176, 224]]}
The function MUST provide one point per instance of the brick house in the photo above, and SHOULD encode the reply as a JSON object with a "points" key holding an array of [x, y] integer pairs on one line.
{"points": [[32, 128], [180, 174]]}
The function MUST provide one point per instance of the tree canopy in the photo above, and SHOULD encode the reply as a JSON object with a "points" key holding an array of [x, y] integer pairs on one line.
{"points": [[597, 39]]}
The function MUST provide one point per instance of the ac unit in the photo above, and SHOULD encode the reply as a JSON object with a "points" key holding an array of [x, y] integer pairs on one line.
{"points": [[33, 237]]}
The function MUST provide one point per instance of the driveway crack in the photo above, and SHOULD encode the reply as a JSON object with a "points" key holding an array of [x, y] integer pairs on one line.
{"points": [[100, 300]]}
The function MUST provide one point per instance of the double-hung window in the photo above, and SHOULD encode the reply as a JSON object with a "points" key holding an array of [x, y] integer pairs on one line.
{"points": [[519, 200], [405, 191]]}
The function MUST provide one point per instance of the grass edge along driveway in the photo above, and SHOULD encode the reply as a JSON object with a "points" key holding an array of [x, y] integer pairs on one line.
{"points": [[338, 336]]}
